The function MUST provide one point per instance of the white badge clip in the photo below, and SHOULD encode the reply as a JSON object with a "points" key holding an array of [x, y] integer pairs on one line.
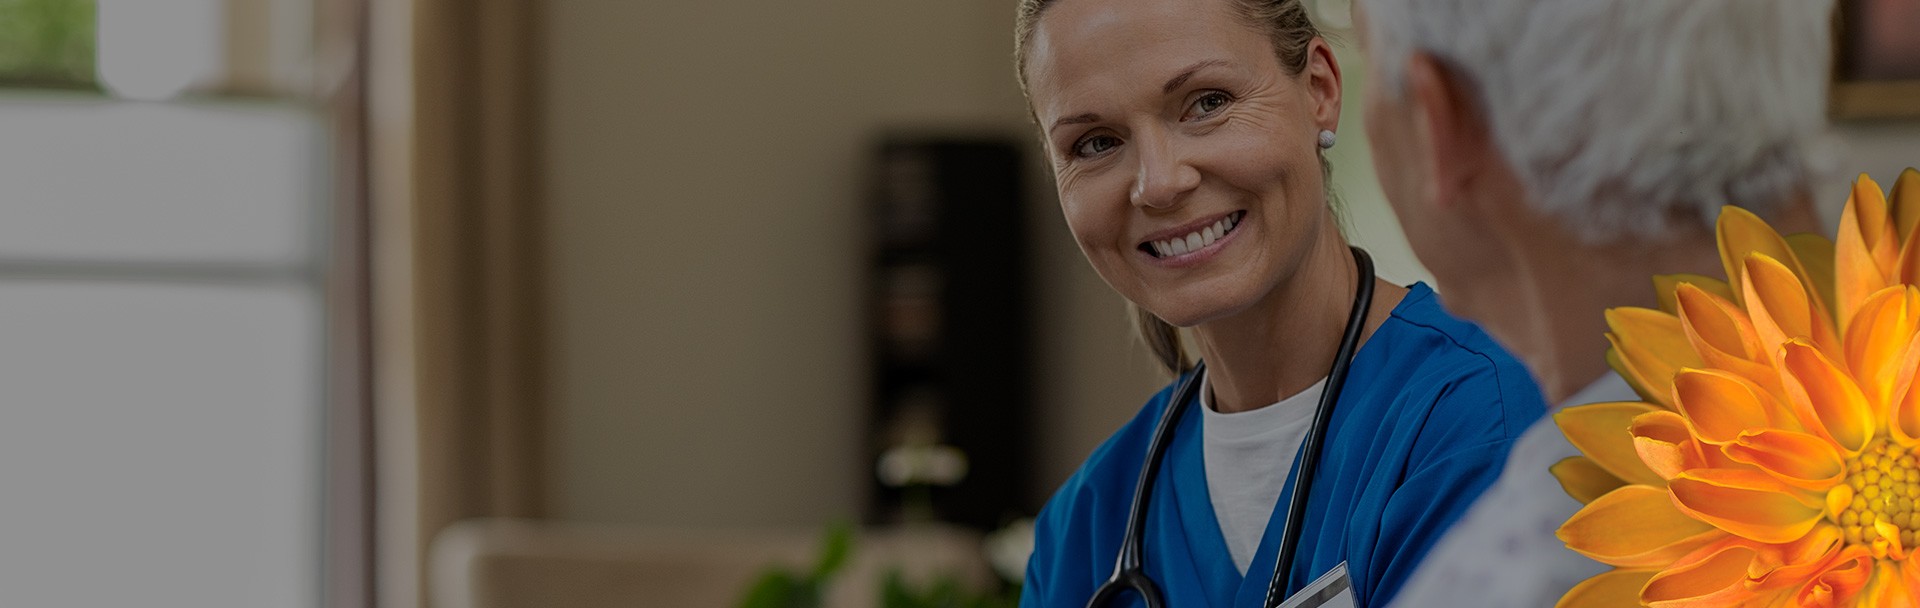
{"points": [[1331, 590]]}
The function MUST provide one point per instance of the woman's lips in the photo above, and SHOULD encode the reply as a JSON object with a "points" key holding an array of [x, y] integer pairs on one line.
{"points": [[1181, 245]]}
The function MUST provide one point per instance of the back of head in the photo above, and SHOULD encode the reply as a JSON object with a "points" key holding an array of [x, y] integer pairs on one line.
{"points": [[1625, 117]]}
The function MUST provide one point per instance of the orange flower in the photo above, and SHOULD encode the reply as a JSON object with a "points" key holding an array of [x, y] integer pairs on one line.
{"points": [[1775, 459]]}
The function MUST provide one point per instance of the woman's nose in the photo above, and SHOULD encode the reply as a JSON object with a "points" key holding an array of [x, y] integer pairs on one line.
{"points": [[1165, 176]]}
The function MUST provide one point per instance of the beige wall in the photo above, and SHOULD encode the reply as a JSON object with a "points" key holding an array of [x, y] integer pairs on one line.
{"points": [[706, 175], [706, 167]]}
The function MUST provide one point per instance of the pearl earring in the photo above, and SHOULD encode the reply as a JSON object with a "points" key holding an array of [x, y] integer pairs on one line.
{"points": [[1326, 139]]}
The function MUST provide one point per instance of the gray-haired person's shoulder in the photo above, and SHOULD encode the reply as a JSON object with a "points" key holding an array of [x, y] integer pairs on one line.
{"points": [[1503, 553]]}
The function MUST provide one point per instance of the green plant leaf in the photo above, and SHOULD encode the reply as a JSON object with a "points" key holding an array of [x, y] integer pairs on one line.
{"points": [[894, 592], [834, 549], [774, 589], [47, 41], [943, 592]]}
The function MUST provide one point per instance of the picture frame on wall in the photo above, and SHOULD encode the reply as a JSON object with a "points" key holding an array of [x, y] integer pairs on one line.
{"points": [[1876, 60]]}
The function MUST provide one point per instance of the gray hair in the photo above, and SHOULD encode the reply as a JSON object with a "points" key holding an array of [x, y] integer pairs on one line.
{"points": [[1623, 116]]}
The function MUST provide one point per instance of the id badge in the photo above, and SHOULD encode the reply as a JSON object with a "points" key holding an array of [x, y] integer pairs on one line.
{"points": [[1331, 590]]}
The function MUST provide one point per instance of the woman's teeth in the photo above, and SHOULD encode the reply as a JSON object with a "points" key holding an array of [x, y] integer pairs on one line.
{"points": [[1196, 239]]}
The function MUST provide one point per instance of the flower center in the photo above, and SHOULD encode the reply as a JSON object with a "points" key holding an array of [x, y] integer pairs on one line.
{"points": [[1885, 485]]}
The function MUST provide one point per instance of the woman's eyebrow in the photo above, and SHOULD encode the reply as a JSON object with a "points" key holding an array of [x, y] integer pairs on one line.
{"points": [[1172, 83], [1187, 74], [1077, 119]]}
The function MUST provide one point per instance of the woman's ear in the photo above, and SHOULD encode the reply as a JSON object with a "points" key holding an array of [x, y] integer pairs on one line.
{"points": [[1459, 145], [1323, 83]]}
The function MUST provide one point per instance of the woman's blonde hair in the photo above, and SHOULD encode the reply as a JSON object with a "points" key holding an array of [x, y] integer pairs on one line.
{"points": [[1291, 31], [1285, 22]]}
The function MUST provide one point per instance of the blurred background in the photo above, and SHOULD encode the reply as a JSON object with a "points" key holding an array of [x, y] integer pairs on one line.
{"points": [[567, 302]]}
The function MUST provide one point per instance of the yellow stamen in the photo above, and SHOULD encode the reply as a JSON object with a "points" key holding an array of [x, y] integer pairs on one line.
{"points": [[1878, 499]]}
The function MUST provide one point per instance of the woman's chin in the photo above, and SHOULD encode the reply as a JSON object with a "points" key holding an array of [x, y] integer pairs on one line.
{"points": [[1201, 309]]}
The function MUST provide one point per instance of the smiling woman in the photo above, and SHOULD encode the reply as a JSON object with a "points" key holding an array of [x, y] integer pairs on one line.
{"points": [[1186, 142], [1079, 141]]}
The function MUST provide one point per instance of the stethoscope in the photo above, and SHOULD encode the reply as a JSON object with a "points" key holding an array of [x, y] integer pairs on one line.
{"points": [[1128, 572]]}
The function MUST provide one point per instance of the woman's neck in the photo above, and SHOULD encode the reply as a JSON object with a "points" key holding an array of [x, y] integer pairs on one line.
{"points": [[1285, 343]]}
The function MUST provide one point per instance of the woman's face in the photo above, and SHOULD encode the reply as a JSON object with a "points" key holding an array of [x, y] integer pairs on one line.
{"points": [[1185, 156]]}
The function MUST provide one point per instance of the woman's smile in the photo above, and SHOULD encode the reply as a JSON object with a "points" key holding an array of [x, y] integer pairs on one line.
{"points": [[1193, 243]]}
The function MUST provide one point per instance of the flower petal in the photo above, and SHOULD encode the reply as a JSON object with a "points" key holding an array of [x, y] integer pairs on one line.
{"points": [[1715, 579], [1791, 565], [1635, 527], [1651, 346], [1665, 444], [1714, 321], [1610, 589], [1865, 253], [1816, 257], [1904, 420], [1783, 309], [1876, 343], [1665, 284], [1826, 400], [1908, 270], [1582, 479], [1891, 586], [1634, 378], [1602, 431], [1748, 504], [1905, 587], [1838, 499], [1875, 221], [1740, 232], [1721, 405], [1720, 332], [1886, 542], [1839, 582], [1801, 460], [1904, 203]]}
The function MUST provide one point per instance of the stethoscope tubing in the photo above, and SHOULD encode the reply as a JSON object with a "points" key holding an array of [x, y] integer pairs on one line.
{"points": [[1129, 572], [1290, 530]]}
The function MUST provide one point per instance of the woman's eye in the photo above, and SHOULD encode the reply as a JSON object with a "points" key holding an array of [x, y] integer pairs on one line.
{"points": [[1209, 102], [1094, 145]]}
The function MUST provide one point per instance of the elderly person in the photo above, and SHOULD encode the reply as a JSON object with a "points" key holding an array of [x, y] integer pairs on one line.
{"points": [[1186, 140], [1547, 158]]}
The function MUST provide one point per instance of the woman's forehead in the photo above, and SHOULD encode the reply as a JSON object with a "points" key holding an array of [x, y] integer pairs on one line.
{"points": [[1105, 47]]}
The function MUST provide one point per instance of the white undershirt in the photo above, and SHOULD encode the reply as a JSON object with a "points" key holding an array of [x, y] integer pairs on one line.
{"points": [[1247, 456]]}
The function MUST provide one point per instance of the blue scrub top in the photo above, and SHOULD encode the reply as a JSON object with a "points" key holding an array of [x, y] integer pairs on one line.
{"points": [[1430, 408]]}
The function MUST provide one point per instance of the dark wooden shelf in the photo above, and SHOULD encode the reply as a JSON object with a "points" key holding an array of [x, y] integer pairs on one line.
{"points": [[948, 323]]}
